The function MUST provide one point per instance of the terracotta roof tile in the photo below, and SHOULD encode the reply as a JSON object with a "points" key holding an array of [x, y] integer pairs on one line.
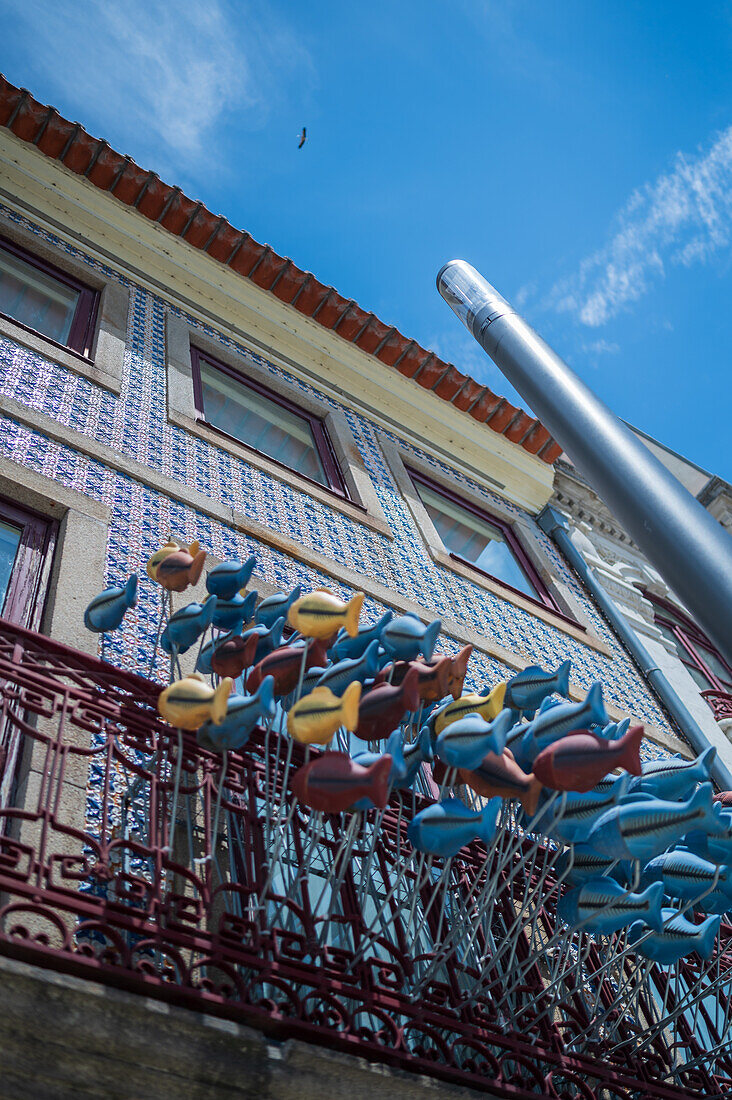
{"points": [[108, 170]]}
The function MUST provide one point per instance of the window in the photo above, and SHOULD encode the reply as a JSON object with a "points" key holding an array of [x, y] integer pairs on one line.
{"points": [[43, 299], [474, 537], [703, 663], [265, 421], [26, 543]]}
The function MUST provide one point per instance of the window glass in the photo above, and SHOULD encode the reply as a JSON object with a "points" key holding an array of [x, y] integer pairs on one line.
{"points": [[714, 663], [36, 299], [260, 422], [475, 539], [9, 540]]}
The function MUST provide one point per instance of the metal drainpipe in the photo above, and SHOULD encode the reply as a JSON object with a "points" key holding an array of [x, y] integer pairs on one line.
{"points": [[557, 528]]}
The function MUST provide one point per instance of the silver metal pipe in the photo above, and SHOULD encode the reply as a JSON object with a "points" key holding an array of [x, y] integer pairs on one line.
{"points": [[688, 547], [556, 526]]}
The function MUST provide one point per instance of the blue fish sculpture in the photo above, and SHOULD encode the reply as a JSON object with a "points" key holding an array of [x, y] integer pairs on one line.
{"points": [[242, 714], [608, 783], [642, 830], [717, 901], [578, 812], [346, 647], [675, 777], [393, 748], [601, 905], [687, 876], [227, 579], [232, 614], [269, 638], [340, 675], [415, 755], [466, 742], [107, 610], [406, 637], [678, 938], [274, 607], [530, 687], [720, 848], [555, 721], [581, 863], [203, 661], [445, 827], [187, 625]]}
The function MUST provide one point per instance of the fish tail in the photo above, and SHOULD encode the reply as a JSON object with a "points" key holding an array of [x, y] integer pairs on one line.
{"points": [[220, 700], [245, 574], [196, 567], [410, 690], [349, 705], [395, 749], [620, 789], [131, 591], [488, 820], [194, 548], [563, 678], [425, 745], [209, 609], [630, 755], [266, 697], [501, 725], [353, 612], [597, 707], [709, 929], [707, 758], [530, 799], [371, 659], [429, 638], [250, 603], [276, 631], [654, 897], [379, 777], [496, 699]]}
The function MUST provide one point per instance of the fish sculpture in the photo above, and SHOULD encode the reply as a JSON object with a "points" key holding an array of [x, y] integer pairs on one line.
{"points": [[315, 718], [556, 720], [445, 827], [678, 938], [231, 614], [458, 671], [465, 743], [383, 707], [107, 610], [498, 775], [415, 755], [277, 606], [601, 905], [230, 577], [344, 672], [346, 647], [685, 875], [243, 712], [579, 760], [581, 863], [529, 688], [716, 901], [487, 706], [187, 625], [576, 813], [642, 830], [397, 773], [230, 655], [333, 782], [674, 777], [190, 702], [285, 664], [406, 637], [720, 847], [174, 567], [433, 678], [321, 614]]}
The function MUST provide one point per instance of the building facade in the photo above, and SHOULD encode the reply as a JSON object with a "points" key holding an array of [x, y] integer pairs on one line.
{"points": [[142, 339]]}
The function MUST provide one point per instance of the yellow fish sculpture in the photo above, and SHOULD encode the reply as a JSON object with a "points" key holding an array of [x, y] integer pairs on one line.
{"points": [[316, 717], [190, 702], [320, 614], [487, 706]]}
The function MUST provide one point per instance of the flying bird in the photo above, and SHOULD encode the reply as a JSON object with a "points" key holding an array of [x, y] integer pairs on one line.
{"points": [[303, 137]]}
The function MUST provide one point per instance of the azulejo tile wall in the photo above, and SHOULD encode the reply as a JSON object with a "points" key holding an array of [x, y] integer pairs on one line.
{"points": [[136, 425]]}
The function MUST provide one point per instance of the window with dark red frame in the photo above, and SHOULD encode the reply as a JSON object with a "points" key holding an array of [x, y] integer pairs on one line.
{"points": [[248, 412], [476, 538], [704, 664], [43, 299], [27, 542]]}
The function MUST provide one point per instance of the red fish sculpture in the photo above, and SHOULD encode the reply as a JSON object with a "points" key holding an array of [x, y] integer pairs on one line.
{"points": [[580, 760], [433, 677], [179, 569], [382, 707], [501, 775], [285, 664], [334, 782], [233, 655], [725, 797]]}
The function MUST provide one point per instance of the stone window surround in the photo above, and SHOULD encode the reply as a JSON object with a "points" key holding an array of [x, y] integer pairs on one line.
{"points": [[569, 607], [363, 506], [105, 365]]}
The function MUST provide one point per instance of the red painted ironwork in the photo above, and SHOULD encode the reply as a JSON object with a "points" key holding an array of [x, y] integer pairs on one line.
{"points": [[720, 702], [131, 856]]}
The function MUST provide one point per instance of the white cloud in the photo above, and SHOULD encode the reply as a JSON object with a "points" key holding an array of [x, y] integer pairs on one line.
{"points": [[683, 217]]}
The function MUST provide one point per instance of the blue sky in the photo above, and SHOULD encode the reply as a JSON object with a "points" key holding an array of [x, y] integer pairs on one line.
{"points": [[579, 154]]}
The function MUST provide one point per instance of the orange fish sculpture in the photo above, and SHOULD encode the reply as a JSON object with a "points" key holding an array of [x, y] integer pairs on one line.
{"points": [[500, 775], [174, 567]]}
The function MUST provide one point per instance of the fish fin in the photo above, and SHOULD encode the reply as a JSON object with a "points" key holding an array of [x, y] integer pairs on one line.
{"points": [[707, 758], [276, 631], [248, 568], [221, 700], [265, 693], [630, 756], [196, 567], [546, 704], [349, 702], [250, 602], [379, 775], [501, 725], [597, 707], [562, 675], [353, 611], [620, 789], [425, 745], [530, 799], [322, 588], [654, 894], [494, 705], [488, 820], [429, 638], [709, 929], [635, 931], [131, 591], [371, 659]]}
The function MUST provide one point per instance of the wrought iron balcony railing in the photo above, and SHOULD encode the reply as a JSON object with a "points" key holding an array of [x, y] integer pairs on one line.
{"points": [[720, 702], [131, 856]]}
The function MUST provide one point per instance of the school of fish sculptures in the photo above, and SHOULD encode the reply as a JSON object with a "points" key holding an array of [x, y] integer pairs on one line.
{"points": [[534, 784]]}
